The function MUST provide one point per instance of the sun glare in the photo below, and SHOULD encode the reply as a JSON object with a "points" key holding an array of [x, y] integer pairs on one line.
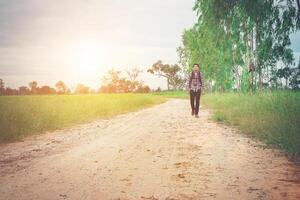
{"points": [[85, 58]]}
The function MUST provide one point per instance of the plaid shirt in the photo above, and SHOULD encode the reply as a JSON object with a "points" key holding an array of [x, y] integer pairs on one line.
{"points": [[195, 82]]}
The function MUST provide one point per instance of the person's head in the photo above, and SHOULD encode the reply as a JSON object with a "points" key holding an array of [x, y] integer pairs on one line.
{"points": [[196, 67]]}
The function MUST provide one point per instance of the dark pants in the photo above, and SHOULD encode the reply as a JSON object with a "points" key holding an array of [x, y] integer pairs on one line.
{"points": [[195, 96]]}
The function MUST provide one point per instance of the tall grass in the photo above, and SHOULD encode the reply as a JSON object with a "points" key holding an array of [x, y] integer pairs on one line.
{"points": [[26, 115], [273, 117]]}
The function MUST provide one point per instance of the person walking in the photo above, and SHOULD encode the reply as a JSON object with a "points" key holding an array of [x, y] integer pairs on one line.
{"points": [[195, 85]]}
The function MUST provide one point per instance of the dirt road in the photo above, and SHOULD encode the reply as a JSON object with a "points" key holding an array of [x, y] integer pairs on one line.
{"points": [[157, 153]]}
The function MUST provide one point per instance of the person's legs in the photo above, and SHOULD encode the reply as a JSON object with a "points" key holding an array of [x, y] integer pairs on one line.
{"points": [[198, 93], [192, 100]]}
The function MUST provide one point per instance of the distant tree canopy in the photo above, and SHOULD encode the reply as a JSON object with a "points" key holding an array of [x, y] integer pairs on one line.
{"points": [[2, 87], [61, 87], [23, 90], [46, 90], [172, 73], [240, 44], [82, 89], [113, 82], [33, 89]]}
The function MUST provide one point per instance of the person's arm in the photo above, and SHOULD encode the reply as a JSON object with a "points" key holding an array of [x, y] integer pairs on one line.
{"points": [[201, 80]]}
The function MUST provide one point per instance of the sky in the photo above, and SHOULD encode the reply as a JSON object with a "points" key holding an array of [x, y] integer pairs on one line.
{"points": [[78, 41]]}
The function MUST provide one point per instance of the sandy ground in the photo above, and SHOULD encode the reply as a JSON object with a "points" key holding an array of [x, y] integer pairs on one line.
{"points": [[157, 153]]}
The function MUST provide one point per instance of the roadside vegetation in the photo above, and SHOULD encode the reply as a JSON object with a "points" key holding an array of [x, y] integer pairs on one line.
{"points": [[172, 94], [243, 58], [272, 117], [26, 115]]}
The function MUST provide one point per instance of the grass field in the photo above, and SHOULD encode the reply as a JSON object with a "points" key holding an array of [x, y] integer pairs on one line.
{"points": [[172, 94], [273, 117], [26, 115]]}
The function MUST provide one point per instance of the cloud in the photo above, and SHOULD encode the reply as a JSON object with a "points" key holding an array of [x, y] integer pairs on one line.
{"points": [[133, 21]]}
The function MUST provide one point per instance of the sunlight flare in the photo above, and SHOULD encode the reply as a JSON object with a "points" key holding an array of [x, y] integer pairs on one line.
{"points": [[85, 58]]}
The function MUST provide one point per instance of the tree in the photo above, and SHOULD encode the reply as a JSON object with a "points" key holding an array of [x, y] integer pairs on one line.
{"points": [[2, 89], [285, 73], [170, 72], [82, 89], [158, 89], [33, 87], [10, 91], [249, 35], [46, 90], [295, 80], [61, 87], [113, 82], [132, 76], [23, 90], [143, 89]]}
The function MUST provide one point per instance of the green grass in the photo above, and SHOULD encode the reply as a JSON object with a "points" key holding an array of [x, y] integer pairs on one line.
{"points": [[26, 115], [172, 94], [273, 117]]}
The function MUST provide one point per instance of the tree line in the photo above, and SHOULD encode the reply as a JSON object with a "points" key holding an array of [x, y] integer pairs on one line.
{"points": [[112, 82], [33, 89], [243, 44]]}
